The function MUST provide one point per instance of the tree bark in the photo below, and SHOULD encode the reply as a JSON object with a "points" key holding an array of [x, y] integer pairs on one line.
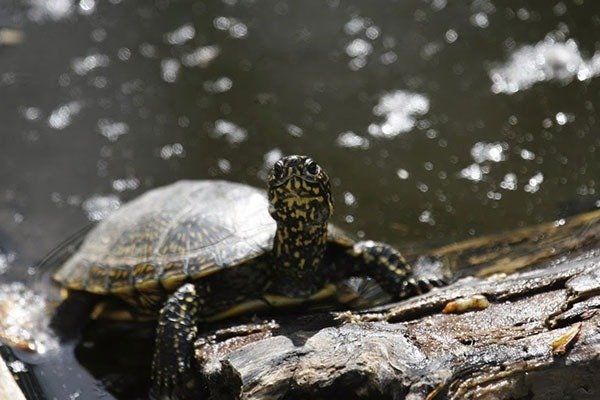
{"points": [[530, 334]]}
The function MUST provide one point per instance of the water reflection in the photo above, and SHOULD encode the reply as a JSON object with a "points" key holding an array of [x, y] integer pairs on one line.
{"points": [[440, 120]]}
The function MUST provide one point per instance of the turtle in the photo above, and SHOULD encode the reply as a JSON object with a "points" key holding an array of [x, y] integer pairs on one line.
{"points": [[197, 251]]}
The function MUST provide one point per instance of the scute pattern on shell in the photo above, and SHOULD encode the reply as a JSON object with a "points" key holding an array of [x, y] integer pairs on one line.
{"points": [[184, 230]]}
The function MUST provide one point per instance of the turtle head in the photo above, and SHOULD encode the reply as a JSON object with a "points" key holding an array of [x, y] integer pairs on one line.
{"points": [[299, 193]]}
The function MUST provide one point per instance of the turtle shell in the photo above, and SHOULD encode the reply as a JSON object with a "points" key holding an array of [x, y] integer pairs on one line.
{"points": [[185, 230]]}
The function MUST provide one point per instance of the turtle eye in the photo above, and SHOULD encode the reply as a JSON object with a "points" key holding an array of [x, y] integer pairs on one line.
{"points": [[312, 168], [278, 170]]}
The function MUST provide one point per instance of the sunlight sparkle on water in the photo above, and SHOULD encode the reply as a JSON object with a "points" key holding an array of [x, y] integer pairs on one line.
{"points": [[84, 65], [232, 132], [181, 35], [120, 185], [400, 110], [98, 207], [550, 59], [509, 182], [201, 57], [488, 152], [351, 140], [220, 85], [62, 116], [49, 9], [172, 150], [169, 69], [5, 261], [234, 27], [24, 319], [534, 183], [112, 130]]}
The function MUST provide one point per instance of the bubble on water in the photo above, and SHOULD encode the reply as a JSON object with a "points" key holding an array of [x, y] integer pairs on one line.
{"points": [[83, 65], [201, 57], [399, 110], [351, 140], [181, 35], [112, 130], [62, 116], [232, 132], [550, 59], [98, 207]]}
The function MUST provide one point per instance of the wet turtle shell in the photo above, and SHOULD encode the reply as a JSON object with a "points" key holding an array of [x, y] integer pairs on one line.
{"points": [[176, 233]]}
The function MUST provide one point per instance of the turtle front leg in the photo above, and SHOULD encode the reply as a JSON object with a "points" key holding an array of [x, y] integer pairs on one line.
{"points": [[173, 368], [390, 270]]}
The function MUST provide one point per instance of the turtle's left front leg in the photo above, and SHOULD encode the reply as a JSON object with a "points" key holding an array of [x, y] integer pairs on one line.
{"points": [[389, 269], [174, 374]]}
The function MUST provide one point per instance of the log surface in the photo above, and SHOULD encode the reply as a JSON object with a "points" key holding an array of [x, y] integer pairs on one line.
{"points": [[531, 334], [8, 387]]}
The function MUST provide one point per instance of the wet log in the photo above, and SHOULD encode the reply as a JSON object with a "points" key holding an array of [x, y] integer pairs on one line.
{"points": [[531, 334], [9, 389]]}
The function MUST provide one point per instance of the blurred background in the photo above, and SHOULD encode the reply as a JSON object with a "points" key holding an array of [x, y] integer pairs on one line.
{"points": [[437, 120]]}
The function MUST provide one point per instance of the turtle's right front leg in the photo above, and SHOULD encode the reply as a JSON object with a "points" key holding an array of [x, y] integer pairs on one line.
{"points": [[173, 368]]}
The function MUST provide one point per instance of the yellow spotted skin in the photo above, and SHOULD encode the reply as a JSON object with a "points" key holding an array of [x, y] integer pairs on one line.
{"points": [[198, 251]]}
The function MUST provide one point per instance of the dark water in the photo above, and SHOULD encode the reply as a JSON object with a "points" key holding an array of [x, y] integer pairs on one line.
{"points": [[101, 100]]}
